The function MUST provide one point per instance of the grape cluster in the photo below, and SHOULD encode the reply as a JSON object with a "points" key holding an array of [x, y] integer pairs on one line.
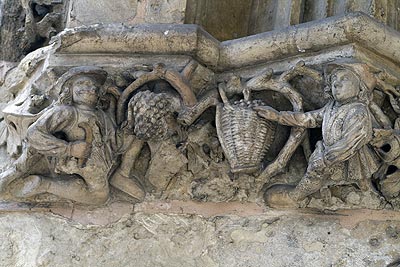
{"points": [[151, 113], [249, 104]]}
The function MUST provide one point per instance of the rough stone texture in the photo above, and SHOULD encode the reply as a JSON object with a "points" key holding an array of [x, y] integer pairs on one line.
{"points": [[82, 12], [224, 20], [227, 19], [92, 12], [143, 238], [383, 10], [11, 20], [27, 25]]}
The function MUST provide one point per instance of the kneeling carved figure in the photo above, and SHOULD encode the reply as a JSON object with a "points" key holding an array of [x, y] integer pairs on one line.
{"points": [[344, 155], [76, 139]]}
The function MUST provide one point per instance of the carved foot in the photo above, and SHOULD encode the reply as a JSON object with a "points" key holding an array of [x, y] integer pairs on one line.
{"points": [[28, 187], [278, 196], [7, 177]]}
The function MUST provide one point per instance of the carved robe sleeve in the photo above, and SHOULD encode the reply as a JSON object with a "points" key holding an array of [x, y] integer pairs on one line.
{"points": [[356, 133], [41, 133], [312, 119]]}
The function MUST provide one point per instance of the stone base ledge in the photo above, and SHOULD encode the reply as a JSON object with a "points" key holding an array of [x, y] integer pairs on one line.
{"points": [[114, 211]]}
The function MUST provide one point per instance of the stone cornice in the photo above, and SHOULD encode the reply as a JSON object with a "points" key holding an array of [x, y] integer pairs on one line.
{"points": [[192, 40], [146, 39], [311, 37]]}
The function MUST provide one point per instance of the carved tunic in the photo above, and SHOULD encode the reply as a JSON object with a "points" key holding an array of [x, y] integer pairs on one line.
{"points": [[51, 134], [346, 131]]}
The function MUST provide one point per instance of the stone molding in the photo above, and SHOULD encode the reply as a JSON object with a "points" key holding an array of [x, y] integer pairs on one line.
{"points": [[191, 40]]}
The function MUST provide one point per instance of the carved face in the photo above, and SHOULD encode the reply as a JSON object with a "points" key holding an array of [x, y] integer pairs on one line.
{"points": [[85, 91], [345, 85]]}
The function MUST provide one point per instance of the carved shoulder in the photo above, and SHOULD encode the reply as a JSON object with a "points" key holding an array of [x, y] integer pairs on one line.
{"points": [[55, 119], [357, 110]]}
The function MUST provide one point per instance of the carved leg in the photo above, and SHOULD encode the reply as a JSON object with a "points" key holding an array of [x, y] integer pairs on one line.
{"points": [[308, 185], [73, 187], [288, 196], [277, 196], [77, 190], [20, 168], [314, 177], [121, 180]]}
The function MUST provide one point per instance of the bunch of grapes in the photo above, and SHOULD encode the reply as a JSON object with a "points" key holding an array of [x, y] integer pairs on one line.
{"points": [[151, 113], [249, 104]]}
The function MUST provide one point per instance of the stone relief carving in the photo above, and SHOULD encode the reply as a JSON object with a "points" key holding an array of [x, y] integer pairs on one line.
{"points": [[152, 136], [265, 82], [343, 156], [93, 134], [151, 119], [350, 164], [70, 148]]}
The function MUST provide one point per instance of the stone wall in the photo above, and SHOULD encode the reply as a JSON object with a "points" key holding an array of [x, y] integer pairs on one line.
{"points": [[227, 20], [191, 234]]}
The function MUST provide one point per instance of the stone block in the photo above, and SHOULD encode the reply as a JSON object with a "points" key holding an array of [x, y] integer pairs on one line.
{"points": [[130, 12]]}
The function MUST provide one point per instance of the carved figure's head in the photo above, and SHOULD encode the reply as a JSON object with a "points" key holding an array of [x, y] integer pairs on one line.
{"points": [[85, 91], [82, 85], [350, 81], [345, 85]]}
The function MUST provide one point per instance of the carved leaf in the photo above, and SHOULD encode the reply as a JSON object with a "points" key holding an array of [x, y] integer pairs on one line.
{"points": [[13, 141], [3, 133]]}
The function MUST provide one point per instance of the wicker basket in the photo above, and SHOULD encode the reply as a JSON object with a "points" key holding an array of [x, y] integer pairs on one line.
{"points": [[245, 137]]}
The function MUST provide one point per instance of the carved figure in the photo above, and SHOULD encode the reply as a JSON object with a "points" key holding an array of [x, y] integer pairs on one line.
{"points": [[76, 138], [343, 155]]}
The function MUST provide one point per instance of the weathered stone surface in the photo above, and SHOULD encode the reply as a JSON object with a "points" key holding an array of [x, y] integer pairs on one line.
{"points": [[228, 19], [166, 162], [27, 25], [144, 39], [82, 12], [157, 239], [92, 12], [344, 36], [337, 31], [224, 20], [12, 18]]}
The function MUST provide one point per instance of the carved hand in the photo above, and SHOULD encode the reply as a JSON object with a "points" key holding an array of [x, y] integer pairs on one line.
{"points": [[80, 149], [319, 164], [267, 112]]}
